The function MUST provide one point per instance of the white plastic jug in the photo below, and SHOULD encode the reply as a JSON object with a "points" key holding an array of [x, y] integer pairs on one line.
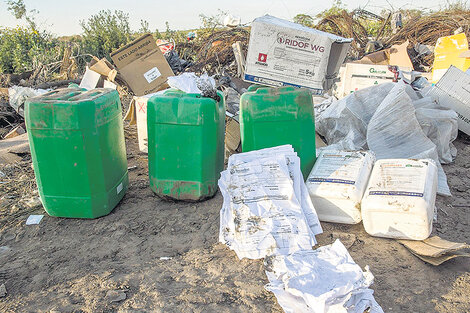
{"points": [[337, 182], [399, 199]]}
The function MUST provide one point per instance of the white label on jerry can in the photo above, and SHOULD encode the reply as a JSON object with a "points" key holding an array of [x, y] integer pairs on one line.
{"points": [[152, 74], [119, 188]]}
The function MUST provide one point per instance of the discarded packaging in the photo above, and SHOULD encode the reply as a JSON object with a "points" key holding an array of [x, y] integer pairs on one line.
{"points": [[165, 45], [399, 199], [285, 53], [90, 79], [18, 96], [337, 183], [34, 219], [447, 52], [140, 104], [103, 67], [191, 83], [266, 208], [176, 63], [232, 133], [396, 55], [3, 291], [452, 92], [142, 65], [232, 21], [11, 149], [439, 124], [15, 132], [386, 119], [232, 100], [323, 280], [435, 250], [359, 76], [99, 74]]}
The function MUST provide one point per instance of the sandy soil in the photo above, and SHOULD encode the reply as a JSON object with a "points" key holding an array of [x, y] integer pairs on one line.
{"points": [[150, 255]]}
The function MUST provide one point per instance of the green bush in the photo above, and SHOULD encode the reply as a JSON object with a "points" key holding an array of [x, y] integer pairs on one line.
{"points": [[23, 49], [105, 32]]}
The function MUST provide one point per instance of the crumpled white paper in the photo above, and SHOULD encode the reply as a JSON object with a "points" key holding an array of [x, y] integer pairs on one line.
{"points": [[323, 280], [266, 208]]}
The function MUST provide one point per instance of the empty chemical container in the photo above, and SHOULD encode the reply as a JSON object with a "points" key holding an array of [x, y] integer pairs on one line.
{"points": [[272, 117], [399, 199], [337, 183], [185, 144], [78, 151]]}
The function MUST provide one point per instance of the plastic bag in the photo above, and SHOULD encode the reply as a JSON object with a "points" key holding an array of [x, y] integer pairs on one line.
{"points": [[191, 83], [440, 125], [18, 96], [344, 122]]}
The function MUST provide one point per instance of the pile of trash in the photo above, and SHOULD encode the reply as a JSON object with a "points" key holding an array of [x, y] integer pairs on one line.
{"points": [[267, 213], [393, 121]]}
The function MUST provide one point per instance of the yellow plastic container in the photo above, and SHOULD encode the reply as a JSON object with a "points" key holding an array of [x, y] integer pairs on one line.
{"points": [[447, 52]]}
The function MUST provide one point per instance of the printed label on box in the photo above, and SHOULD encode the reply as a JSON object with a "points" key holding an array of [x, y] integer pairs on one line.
{"points": [[151, 75]]}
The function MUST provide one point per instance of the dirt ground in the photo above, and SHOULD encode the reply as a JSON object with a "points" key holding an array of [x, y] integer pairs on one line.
{"points": [[150, 255]]}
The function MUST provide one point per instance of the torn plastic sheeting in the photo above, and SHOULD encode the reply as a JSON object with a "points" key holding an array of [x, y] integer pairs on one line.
{"points": [[430, 128], [266, 211], [232, 21], [394, 132], [18, 96], [176, 63], [232, 100], [440, 124], [323, 280], [344, 122]]}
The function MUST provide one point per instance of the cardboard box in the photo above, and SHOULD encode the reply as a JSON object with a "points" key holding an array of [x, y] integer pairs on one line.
{"points": [[140, 107], [99, 73], [357, 76], [284, 53], [395, 55], [453, 91], [142, 65], [140, 104]]}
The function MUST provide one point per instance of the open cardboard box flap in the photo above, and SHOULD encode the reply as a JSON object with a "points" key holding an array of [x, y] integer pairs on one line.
{"points": [[142, 65]]}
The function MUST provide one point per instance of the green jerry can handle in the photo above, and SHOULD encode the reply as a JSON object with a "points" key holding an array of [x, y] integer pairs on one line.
{"points": [[75, 86], [177, 92], [255, 87], [261, 89]]}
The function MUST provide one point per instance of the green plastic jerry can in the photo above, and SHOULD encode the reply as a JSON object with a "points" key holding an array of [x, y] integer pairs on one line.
{"points": [[185, 144], [78, 151], [272, 117]]}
